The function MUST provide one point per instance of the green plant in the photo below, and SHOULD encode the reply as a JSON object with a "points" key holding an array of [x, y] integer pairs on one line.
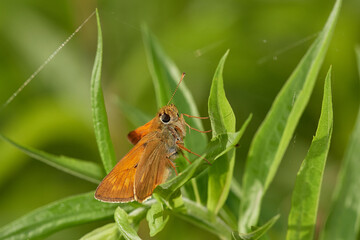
{"points": [[183, 195]]}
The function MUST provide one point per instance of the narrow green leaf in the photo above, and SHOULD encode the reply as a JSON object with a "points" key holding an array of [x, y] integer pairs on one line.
{"points": [[100, 120], [156, 219], [87, 170], [58, 215], [174, 201], [111, 231], [106, 232], [202, 217], [220, 176], [222, 116], [123, 224], [217, 147], [259, 232], [344, 219], [40, 116], [274, 134], [306, 194], [222, 121]]}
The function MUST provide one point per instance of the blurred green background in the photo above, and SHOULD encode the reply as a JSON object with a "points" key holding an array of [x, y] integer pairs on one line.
{"points": [[266, 40]]}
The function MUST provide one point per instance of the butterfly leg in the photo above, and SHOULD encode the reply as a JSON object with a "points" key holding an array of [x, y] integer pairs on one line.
{"points": [[190, 127], [187, 115], [171, 157], [172, 165], [185, 157], [178, 143]]}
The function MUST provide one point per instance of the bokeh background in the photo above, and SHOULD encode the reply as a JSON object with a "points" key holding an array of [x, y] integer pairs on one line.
{"points": [[266, 40]]}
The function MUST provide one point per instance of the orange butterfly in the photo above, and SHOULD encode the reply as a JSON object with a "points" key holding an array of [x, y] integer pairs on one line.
{"points": [[146, 165]]}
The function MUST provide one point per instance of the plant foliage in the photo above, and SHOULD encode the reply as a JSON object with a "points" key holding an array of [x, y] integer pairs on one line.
{"points": [[181, 196]]}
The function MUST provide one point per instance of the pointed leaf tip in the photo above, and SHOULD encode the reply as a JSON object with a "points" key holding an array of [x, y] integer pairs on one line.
{"points": [[100, 120]]}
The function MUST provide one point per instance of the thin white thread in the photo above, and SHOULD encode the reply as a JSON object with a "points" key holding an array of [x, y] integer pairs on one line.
{"points": [[11, 98], [285, 49]]}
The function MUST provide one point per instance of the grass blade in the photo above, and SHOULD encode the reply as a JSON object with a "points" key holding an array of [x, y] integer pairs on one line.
{"points": [[108, 232], [55, 216], [101, 127], [258, 233], [306, 194], [87, 170], [123, 224], [344, 219], [222, 121], [274, 134]]}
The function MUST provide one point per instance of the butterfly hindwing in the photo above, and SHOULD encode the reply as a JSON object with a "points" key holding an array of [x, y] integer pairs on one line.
{"points": [[140, 132]]}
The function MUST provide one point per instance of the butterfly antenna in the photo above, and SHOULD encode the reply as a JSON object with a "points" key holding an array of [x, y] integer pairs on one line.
{"points": [[182, 77]]}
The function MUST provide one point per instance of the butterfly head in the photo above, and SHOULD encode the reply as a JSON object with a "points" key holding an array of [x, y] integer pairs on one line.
{"points": [[169, 117]]}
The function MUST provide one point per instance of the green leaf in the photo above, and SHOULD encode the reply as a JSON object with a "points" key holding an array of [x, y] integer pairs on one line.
{"points": [[259, 232], [221, 114], [217, 147], [123, 224], [273, 136], [156, 219], [175, 202], [220, 177], [139, 214], [106, 232], [306, 194], [58, 215], [87, 170], [100, 120], [343, 221], [222, 121], [202, 217], [40, 116]]}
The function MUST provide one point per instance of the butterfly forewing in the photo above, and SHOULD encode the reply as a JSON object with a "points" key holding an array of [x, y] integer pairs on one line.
{"points": [[152, 170], [118, 185]]}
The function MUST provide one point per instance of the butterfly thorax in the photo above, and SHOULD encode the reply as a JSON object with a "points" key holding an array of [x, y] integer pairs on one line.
{"points": [[171, 127]]}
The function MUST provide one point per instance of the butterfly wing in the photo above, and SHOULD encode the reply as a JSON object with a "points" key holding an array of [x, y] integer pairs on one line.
{"points": [[153, 169], [140, 132], [118, 185]]}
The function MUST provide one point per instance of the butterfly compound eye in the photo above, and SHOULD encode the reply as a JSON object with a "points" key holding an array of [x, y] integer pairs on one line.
{"points": [[165, 118]]}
